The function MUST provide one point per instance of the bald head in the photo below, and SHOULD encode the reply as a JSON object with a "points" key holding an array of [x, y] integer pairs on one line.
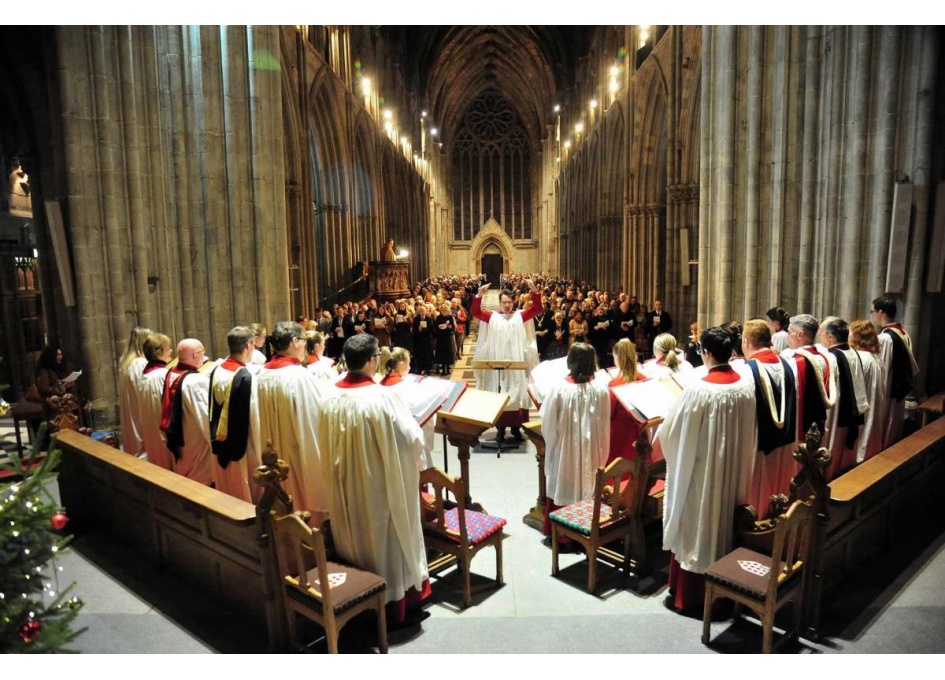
{"points": [[190, 351]]}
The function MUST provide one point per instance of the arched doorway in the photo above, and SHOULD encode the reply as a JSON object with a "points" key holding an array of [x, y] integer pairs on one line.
{"points": [[492, 264]]}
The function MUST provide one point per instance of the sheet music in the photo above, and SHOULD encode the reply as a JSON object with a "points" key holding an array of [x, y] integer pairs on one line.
{"points": [[648, 399]]}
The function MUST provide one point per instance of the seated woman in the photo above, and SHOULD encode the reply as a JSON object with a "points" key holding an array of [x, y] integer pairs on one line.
{"points": [[51, 368], [667, 359], [576, 426]]}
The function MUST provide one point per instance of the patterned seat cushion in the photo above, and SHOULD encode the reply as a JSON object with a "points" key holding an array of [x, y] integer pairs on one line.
{"points": [[479, 525], [580, 515]]}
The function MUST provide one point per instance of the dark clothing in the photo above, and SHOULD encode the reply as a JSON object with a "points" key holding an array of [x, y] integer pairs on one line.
{"points": [[422, 344], [445, 346]]}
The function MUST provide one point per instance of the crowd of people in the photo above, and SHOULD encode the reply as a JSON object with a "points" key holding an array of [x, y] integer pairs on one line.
{"points": [[727, 441]]}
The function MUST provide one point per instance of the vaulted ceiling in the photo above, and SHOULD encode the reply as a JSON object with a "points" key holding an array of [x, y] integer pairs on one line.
{"points": [[451, 66]]}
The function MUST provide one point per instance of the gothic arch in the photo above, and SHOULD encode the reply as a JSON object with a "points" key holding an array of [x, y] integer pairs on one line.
{"points": [[493, 234]]}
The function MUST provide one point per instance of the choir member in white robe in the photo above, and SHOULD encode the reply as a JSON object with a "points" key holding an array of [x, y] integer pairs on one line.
{"points": [[778, 321], [846, 418], [185, 416], [667, 359], [371, 445], [709, 439], [258, 358], [773, 465], [398, 368], [157, 351], [234, 420], [863, 339], [895, 351], [575, 416], [289, 409], [507, 335], [318, 364], [130, 369]]}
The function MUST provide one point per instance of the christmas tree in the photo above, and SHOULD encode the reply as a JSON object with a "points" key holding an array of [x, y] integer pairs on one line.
{"points": [[35, 615]]}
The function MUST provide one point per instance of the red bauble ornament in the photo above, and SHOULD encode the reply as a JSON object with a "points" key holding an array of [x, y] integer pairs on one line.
{"points": [[30, 630], [59, 521]]}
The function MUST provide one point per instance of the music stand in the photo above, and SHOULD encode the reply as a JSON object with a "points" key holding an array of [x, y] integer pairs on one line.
{"points": [[499, 366]]}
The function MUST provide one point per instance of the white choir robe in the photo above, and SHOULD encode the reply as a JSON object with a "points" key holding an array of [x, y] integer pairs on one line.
{"points": [[288, 401], [323, 369], [872, 431], [128, 404], [507, 338], [576, 428], [235, 478], [779, 341], [709, 439], [371, 444], [895, 409], [195, 454], [150, 390], [842, 458], [657, 371]]}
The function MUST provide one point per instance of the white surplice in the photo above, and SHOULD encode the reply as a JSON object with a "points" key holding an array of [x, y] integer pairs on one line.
{"points": [[872, 431], [506, 337], [150, 390], [195, 454], [288, 401], [709, 439], [371, 444], [323, 369], [234, 479], [128, 405], [576, 428], [836, 435]]}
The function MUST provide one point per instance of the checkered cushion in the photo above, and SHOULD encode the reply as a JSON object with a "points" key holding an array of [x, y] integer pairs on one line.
{"points": [[580, 515], [479, 525]]}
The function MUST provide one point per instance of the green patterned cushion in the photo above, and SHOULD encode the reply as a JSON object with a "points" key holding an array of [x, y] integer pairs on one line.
{"points": [[579, 515]]}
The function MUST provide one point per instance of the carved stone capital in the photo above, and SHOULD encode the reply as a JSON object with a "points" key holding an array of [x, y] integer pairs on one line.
{"points": [[683, 193]]}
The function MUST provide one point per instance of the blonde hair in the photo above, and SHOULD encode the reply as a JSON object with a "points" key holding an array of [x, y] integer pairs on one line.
{"points": [[135, 347], [665, 346], [397, 355], [625, 358], [154, 344]]}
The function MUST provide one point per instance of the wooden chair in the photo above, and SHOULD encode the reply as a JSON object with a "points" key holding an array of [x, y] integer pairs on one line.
{"points": [[606, 517], [454, 531], [304, 566], [761, 582]]}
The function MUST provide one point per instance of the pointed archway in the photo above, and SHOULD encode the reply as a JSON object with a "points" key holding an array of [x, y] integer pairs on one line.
{"points": [[490, 241]]}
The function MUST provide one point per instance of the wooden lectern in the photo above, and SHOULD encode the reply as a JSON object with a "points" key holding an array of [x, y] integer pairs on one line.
{"points": [[535, 518], [474, 412], [498, 365]]}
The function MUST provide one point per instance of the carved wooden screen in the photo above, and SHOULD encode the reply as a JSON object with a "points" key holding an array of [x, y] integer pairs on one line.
{"points": [[491, 170]]}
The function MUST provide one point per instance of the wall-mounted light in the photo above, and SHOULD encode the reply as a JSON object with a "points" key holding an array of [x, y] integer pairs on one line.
{"points": [[557, 108], [366, 86], [579, 128], [388, 114], [593, 104]]}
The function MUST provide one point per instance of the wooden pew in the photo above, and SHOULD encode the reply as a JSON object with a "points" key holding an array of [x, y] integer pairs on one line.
{"points": [[861, 513], [211, 539]]}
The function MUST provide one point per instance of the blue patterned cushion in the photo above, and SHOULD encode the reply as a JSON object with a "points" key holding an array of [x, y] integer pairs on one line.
{"points": [[580, 515], [479, 525]]}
